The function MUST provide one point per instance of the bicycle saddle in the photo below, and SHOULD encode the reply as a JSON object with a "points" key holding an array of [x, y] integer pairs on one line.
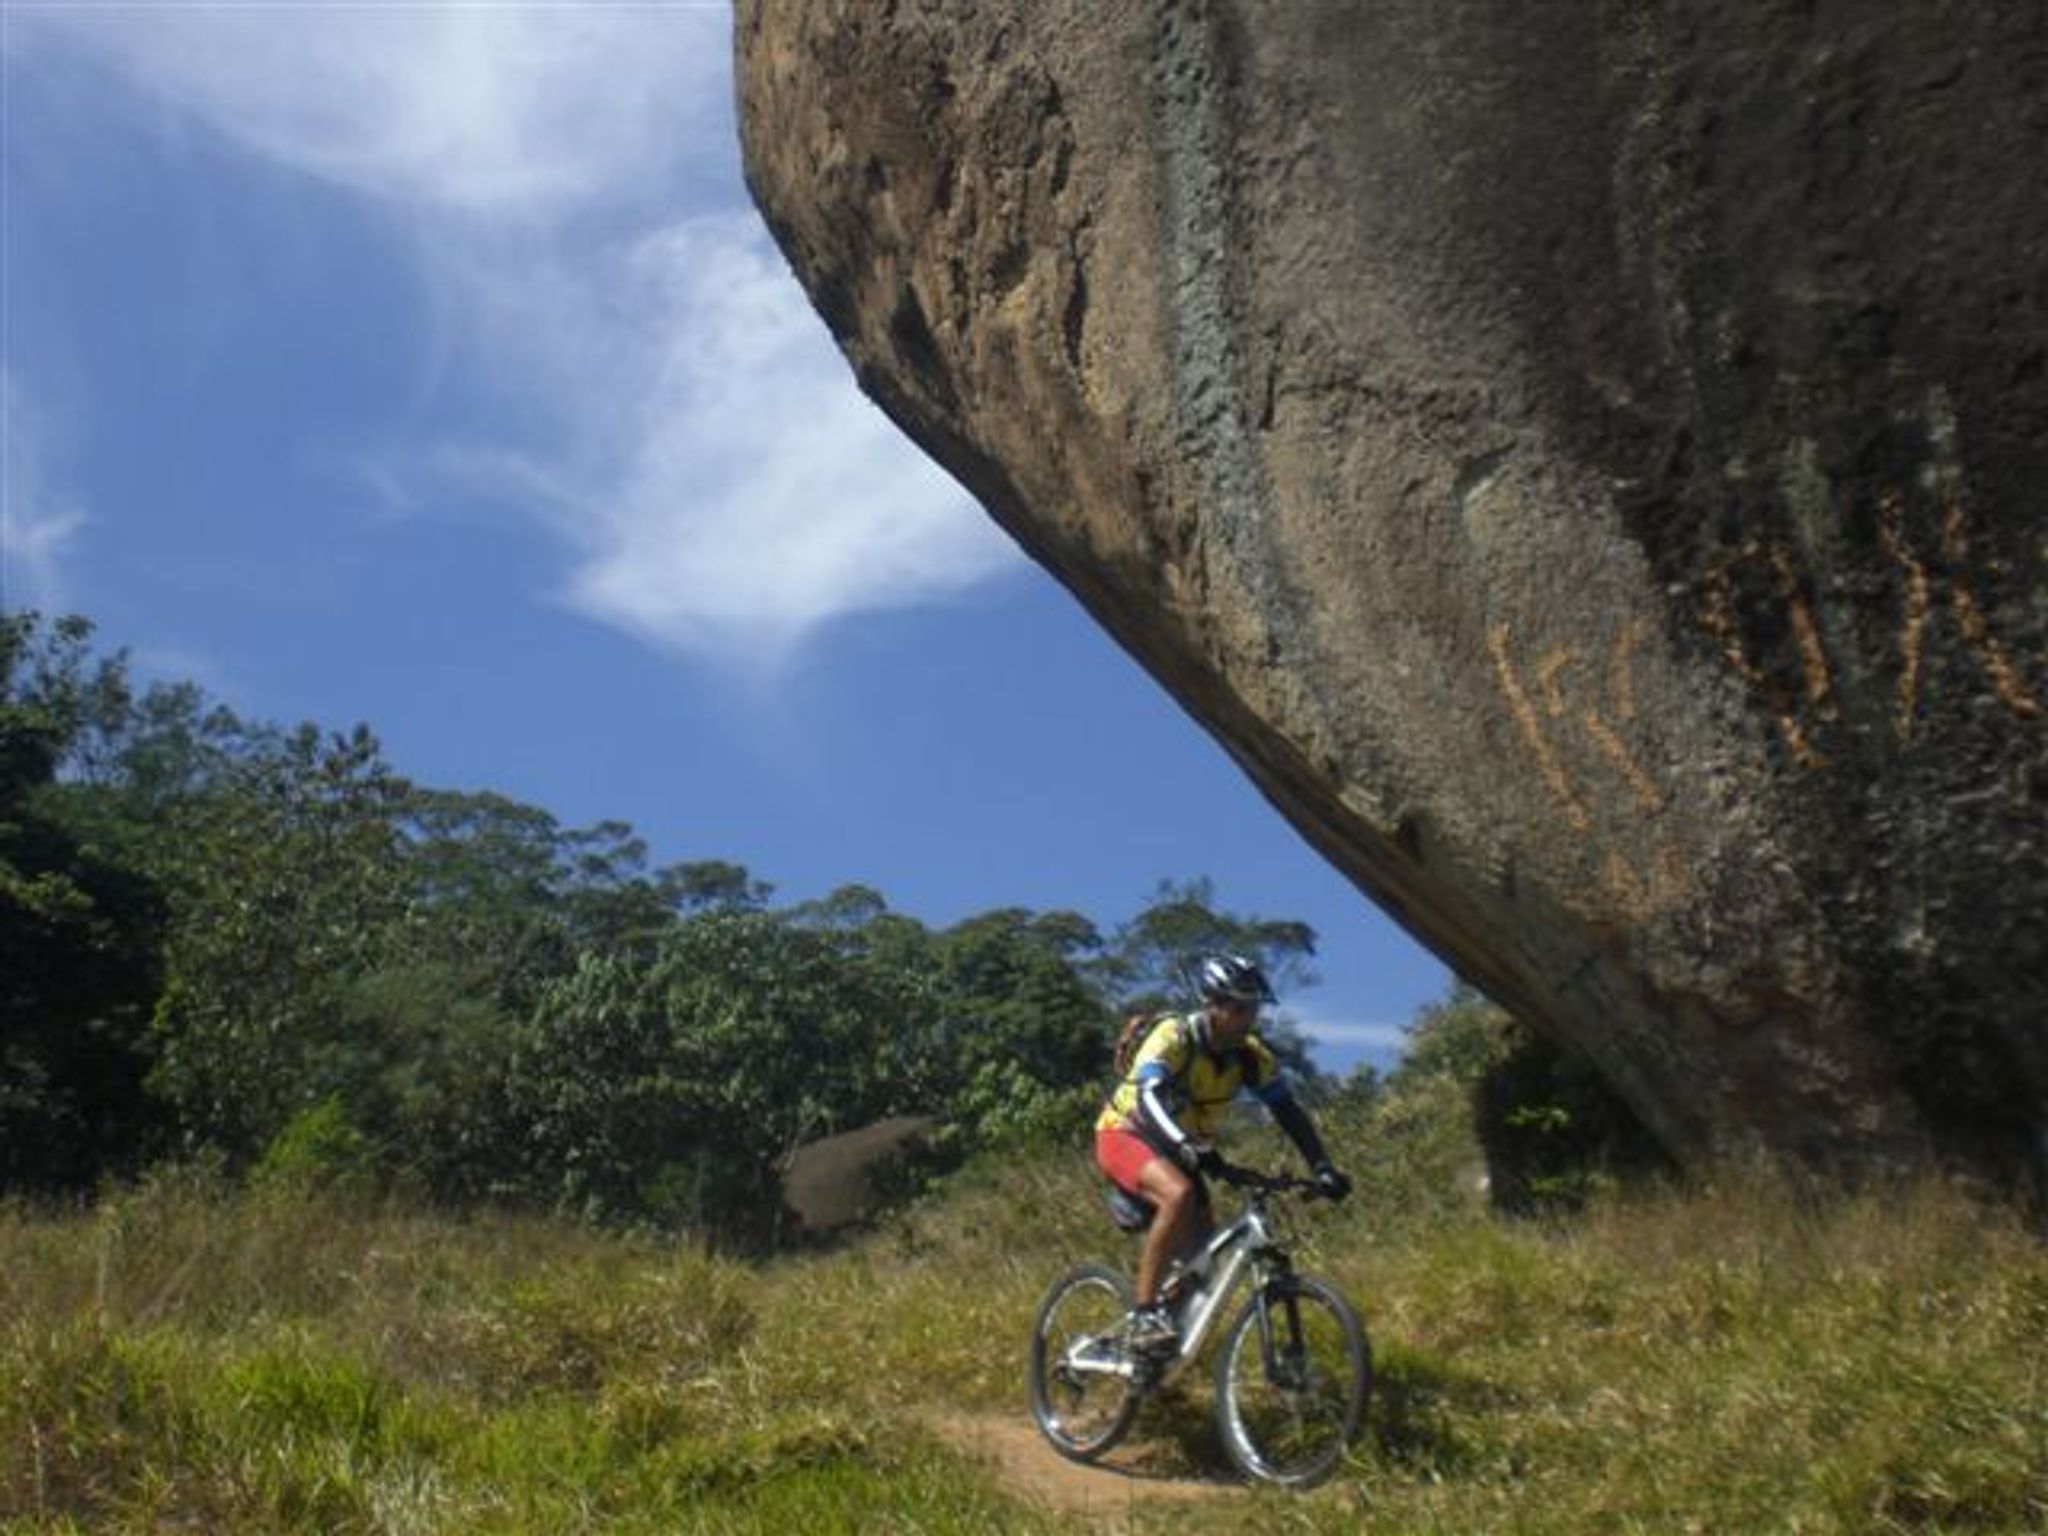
{"points": [[1127, 1210]]}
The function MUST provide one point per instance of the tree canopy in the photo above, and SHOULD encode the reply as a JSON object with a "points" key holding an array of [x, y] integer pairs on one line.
{"points": [[268, 945]]}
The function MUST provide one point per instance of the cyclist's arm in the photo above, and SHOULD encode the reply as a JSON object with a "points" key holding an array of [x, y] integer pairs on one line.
{"points": [[1294, 1120], [1155, 1114]]}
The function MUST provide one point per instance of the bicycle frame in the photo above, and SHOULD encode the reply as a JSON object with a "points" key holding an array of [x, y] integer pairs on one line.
{"points": [[1208, 1283], [1247, 1243]]}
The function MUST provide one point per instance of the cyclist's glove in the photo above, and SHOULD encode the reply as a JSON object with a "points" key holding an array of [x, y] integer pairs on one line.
{"points": [[1332, 1183], [1197, 1158]]}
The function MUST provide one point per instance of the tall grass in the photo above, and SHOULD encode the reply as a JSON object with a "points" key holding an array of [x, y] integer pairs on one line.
{"points": [[185, 1357], [1744, 1359], [1748, 1357]]}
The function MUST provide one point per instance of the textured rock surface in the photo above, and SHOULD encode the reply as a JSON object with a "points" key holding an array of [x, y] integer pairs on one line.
{"points": [[1585, 461]]}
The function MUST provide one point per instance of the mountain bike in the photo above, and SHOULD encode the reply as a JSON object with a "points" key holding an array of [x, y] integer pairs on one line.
{"points": [[1292, 1375]]}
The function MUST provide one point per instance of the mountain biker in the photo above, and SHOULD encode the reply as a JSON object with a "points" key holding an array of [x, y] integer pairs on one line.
{"points": [[1151, 1139]]}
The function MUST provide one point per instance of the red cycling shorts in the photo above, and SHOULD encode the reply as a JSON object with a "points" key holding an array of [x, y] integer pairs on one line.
{"points": [[1123, 1155]]}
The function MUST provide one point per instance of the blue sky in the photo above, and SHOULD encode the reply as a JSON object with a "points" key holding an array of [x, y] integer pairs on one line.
{"points": [[428, 367]]}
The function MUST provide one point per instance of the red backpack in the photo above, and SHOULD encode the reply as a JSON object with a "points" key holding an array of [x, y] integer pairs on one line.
{"points": [[1132, 1036]]}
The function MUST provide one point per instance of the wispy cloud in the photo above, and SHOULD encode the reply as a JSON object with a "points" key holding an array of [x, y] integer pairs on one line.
{"points": [[37, 517], [502, 110], [568, 181], [762, 493], [1359, 1035]]}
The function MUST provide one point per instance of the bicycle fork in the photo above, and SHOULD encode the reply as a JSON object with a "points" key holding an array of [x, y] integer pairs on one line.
{"points": [[1281, 1348]]}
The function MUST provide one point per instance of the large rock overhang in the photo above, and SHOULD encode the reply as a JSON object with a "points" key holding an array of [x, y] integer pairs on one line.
{"points": [[1587, 474]]}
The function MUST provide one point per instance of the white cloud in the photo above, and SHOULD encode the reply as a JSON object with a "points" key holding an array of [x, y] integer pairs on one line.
{"points": [[764, 494], [501, 109], [1368, 1036], [37, 517], [688, 429]]}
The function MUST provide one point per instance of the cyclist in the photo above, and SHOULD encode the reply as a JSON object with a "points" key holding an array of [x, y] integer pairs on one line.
{"points": [[1152, 1138]]}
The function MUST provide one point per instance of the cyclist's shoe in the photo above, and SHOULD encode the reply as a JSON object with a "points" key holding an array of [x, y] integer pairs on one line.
{"points": [[1153, 1331]]}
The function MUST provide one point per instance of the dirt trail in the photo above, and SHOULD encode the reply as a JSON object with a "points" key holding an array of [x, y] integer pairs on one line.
{"points": [[1108, 1495]]}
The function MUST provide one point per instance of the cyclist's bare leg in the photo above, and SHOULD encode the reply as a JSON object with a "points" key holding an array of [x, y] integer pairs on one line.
{"points": [[1180, 1227]]}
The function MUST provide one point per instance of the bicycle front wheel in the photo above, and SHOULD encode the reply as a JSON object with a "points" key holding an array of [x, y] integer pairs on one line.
{"points": [[1292, 1381], [1084, 1390]]}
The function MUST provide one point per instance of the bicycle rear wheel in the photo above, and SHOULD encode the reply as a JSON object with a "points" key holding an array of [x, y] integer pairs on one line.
{"points": [[1084, 1390], [1292, 1381]]}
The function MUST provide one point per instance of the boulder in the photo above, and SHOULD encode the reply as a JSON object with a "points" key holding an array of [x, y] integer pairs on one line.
{"points": [[831, 1183], [1584, 462]]}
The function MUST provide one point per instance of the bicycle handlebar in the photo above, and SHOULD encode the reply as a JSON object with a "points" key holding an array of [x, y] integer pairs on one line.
{"points": [[1270, 1183]]}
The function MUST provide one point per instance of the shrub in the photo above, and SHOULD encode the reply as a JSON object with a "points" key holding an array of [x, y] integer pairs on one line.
{"points": [[319, 1148]]}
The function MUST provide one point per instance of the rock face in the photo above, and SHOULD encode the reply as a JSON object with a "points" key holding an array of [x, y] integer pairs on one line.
{"points": [[1586, 462]]}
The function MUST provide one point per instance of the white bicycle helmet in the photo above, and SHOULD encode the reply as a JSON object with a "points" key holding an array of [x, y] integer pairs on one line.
{"points": [[1233, 979]]}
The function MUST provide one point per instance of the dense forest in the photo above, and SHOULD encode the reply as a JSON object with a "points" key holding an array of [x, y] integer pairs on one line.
{"points": [[265, 947]]}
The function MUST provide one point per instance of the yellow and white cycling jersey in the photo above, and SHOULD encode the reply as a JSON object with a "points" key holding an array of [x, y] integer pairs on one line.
{"points": [[1200, 1086]]}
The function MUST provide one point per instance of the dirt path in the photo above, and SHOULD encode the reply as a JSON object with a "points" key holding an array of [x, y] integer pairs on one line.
{"points": [[1107, 1495]]}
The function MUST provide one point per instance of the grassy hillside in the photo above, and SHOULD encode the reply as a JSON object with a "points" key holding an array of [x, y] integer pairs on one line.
{"points": [[1742, 1358]]}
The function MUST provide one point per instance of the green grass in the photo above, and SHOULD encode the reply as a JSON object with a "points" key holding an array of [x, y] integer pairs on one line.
{"points": [[1745, 1358]]}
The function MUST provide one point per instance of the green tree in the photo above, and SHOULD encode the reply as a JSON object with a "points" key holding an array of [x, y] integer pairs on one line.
{"points": [[432, 1104], [710, 884], [1149, 960], [1462, 1036], [79, 933], [1551, 1129], [1015, 995], [342, 937], [288, 887], [455, 992], [672, 1086], [504, 894]]}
